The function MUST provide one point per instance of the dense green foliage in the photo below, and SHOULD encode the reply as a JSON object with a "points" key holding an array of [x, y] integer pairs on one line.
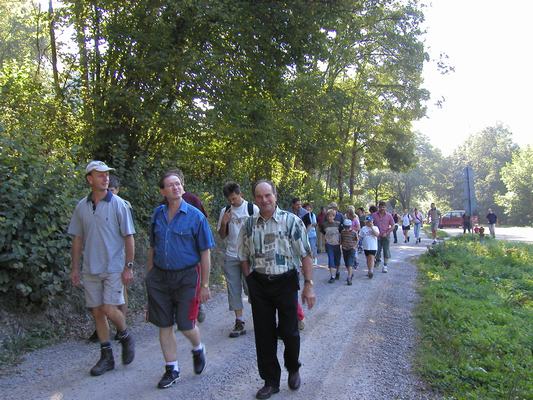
{"points": [[223, 89], [476, 314]]}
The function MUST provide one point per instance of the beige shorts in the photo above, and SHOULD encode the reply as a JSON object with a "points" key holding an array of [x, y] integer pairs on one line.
{"points": [[106, 288]]}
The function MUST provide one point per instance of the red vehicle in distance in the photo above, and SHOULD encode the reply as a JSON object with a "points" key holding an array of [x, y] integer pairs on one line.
{"points": [[454, 219]]}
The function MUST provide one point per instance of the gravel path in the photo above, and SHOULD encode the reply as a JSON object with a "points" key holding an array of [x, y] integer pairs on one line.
{"points": [[358, 343]]}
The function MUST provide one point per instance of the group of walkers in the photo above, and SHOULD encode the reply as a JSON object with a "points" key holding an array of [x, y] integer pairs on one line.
{"points": [[267, 251]]}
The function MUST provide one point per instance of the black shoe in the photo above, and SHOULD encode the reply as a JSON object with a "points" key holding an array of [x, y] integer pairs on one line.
{"points": [[128, 348], [169, 377], [105, 363], [349, 282], [294, 380], [117, 337], [238, 329], [408, 238], [331, 280], [337, 276], [93, 338], [266, 391], [198, 360]]}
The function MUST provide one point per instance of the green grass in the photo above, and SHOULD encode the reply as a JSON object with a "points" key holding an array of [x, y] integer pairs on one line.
{"points": [[476, 319], [440, 233]]}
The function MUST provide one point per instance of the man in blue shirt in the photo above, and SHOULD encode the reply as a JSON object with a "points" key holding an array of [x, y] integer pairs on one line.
{"points": [[178, 273]]}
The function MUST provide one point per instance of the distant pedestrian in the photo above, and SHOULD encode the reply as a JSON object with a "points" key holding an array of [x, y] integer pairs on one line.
{"points": [[310, 222], [331, 229], [102, 230], [272, 247], [467, 223], [177, 280], [434, 220], [406, 225], [396, 219], [320, 219], [349, 240], [385, 223], [231, 220], [369, 234], [418, 220], [492, 219], [296, 207]]}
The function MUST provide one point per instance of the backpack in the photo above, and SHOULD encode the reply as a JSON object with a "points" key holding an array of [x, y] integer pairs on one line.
{"points": [[250, 212], [250, 208]]}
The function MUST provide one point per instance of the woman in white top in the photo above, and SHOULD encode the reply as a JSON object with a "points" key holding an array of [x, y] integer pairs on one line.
{"points": [[406, 225], [418, 219], [369, 236]]}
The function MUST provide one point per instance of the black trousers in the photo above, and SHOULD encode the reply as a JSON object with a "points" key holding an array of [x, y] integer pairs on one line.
{"points": [[269, 295]]}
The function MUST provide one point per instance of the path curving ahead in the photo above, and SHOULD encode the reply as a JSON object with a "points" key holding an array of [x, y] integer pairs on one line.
{"points": [[358, 343]]}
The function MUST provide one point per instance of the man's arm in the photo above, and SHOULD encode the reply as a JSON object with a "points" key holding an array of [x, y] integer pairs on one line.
{"points": [[75, 255], [308, 293], [150, 259], [205, 269], [129, 245], [245, 268]]}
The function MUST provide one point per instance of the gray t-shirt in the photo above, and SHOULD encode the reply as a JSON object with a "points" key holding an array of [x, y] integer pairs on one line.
{"points": [[102, 229]]}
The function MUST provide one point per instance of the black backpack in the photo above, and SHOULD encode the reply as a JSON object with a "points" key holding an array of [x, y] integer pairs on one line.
{"points": [[250, 208]]}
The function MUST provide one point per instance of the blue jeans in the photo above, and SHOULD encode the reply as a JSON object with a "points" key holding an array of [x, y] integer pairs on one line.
{"points": [[312, 242], [334, 255], [417, 230]]}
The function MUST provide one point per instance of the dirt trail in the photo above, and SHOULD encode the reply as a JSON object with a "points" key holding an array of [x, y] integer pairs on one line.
{"points": [[358, 343]]}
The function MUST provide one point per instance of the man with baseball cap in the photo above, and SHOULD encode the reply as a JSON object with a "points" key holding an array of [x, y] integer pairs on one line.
{"points": [[102, 230]]}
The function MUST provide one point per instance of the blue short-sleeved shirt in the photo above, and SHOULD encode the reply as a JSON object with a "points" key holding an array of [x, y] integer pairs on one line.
{"points": [[177, 244]]}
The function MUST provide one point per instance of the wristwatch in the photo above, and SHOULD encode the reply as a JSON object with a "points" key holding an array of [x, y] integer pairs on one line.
{"points": [[205, 285], [309, 281], [129, 264]]}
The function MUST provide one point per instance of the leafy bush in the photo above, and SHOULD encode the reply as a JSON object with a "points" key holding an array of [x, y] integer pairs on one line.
{"points": [[475, 314], [38, 191]]}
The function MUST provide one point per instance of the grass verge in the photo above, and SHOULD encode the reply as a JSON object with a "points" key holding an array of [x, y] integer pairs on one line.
{"points": [[476, 316]]}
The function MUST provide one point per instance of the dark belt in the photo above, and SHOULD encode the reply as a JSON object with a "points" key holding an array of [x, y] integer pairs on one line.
{"points": [[274, 277]]}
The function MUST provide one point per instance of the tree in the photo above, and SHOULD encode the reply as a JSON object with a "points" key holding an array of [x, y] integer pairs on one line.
{"points": [[517, 175]]}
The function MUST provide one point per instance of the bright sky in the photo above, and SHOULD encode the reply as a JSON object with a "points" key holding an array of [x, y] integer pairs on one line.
{"points": [[489, 44]]}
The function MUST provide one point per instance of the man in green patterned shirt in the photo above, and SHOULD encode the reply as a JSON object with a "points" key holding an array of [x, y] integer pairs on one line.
{"points": [[272, 247]]}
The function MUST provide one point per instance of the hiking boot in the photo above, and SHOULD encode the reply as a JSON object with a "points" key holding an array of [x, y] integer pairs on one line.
{"points": [[198, 360], [337, 276], [266, 391], [128, 348], [331, 280], [169, 377], [105, 363], [370, 274], [294, 380], [301, 325], [201, 314], [93, 338], [384, 269], [238, 329], [349, 282]]}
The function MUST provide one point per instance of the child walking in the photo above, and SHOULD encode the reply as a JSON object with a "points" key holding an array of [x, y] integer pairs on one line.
{"points": [[331, 230], [349, 245], [369, 234]]}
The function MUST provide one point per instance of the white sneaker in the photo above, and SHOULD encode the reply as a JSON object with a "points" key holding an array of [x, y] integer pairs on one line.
{"points": [[384, 269]]}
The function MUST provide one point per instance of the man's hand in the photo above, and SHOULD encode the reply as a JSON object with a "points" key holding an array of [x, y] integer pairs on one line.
{"points": [[127, 276], [308, 296], [205, 294], [226, 217], [75, 277]]}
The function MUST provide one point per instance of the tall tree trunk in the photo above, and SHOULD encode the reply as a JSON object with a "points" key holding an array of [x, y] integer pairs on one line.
{"points": [[97, 56], [353, 162], [80, 27], [53, 48]]}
